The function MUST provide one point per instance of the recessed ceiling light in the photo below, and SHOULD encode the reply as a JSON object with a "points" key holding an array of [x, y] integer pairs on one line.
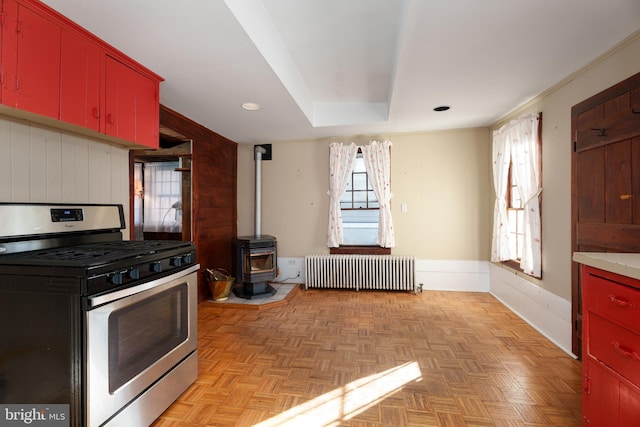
{"points": [[441, 108], [252, 106]]}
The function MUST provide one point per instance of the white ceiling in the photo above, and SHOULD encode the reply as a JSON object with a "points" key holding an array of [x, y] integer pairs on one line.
{"points": [[322, 68]]}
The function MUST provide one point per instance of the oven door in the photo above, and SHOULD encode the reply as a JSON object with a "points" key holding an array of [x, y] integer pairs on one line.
{"points": [[135, 337]]}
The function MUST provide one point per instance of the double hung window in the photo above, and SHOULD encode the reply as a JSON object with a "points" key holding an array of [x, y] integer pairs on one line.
{"points": [[360, 208]]}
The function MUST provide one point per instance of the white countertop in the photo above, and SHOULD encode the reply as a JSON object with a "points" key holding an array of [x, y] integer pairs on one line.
{"points": [[625, 264]]}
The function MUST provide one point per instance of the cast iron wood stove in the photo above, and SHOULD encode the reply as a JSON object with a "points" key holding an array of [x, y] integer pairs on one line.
{"points": [[255, 266]]}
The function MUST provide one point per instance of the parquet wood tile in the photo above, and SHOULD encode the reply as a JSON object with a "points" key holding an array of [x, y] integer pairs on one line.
{"points": [[371, 359]]}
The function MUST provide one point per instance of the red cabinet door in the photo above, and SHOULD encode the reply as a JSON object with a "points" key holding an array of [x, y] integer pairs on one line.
{"points": [[80, 72], [119, 100], [601, 397], [33, 73], [147, 112], [629, 405]]}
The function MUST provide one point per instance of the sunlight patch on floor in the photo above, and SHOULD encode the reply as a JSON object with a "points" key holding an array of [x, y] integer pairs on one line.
{"points": [[345, 402]]}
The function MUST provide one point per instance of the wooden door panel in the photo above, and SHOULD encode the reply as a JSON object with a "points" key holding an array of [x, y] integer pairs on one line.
{"points": [[618, 191], [635, 179], [603, 237], [635, 103], [589, 123], [616, 107], [591, 181]]}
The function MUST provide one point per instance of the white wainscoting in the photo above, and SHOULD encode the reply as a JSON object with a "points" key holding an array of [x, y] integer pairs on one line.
{"points": [[41, 164], [453, 275], [546, 312]]}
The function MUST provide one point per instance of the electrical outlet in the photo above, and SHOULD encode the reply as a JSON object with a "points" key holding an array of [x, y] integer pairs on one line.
{"points": [[292, 261], [298, 274]]}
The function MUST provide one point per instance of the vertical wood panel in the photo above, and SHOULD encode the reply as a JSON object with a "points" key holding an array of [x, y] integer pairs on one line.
{"points": [[81, 169], [68, 173], [591, 182], [5, 161], [54, 166], [20, 163], [635, 178], [99, 166], [618, 182], [37, 164]]}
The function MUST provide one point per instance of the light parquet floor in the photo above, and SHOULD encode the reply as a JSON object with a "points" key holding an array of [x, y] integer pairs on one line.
{"points": [[346, 358]]}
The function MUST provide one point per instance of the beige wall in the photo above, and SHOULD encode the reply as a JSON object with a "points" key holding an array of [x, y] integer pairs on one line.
{"points": [[442, 177]]}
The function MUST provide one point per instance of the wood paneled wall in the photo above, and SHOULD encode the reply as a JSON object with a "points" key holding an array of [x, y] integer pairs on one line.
{"points": [[41, 164], [214, 186]]}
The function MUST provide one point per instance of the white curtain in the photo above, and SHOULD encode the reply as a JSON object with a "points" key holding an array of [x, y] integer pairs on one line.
{"points": [[377, 162], [341, 159], [500, 248], [518, 142], [524, 153]]}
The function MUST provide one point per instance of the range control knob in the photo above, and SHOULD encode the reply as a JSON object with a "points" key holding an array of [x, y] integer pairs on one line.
{"points": [[134, 273], [115, 278], [156, 267], [186, 259], [176, 261]]}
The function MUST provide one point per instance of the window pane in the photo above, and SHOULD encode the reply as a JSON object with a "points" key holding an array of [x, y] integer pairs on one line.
{"points": [[346, 197], [512, 218], [360, 227], [359, 181], [358, 165]]}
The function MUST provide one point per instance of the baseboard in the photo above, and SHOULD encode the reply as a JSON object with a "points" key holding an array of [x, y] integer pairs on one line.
{"points": [[546, 312], [453, 275]]}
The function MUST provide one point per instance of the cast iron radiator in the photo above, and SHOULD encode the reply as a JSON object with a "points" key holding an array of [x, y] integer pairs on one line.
{"points": [[385, 272]]}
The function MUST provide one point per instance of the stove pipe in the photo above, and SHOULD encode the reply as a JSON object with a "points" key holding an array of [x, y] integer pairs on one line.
{"points": [[259, 151]]}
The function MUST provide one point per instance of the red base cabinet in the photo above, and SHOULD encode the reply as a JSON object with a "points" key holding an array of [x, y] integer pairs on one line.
{"points": [[611, 349], [57, 70]]}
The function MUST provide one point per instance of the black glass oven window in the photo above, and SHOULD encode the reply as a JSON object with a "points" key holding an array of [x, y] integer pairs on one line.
{"points": [[142, 333]]}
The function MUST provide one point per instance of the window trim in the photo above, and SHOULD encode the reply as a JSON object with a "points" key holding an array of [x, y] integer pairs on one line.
{"points": [[360, 250]]}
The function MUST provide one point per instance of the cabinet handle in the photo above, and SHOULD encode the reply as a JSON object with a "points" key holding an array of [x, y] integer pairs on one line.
{"points": [[624, 352], [96, 113], [633, 110], [110, 119], [601, 131], [621, 302]]}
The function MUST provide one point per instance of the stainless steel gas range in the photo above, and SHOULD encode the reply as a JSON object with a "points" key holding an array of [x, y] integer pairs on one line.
{"points": [[103, 325]]}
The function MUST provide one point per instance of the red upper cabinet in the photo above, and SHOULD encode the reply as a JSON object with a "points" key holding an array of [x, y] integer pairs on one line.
{"points": [[120, 102], [132, 105], [80, 81], [147, 111], [56, 69], [31, 61]]}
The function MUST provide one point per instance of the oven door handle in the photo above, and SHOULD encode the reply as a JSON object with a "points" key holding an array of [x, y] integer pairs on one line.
{"points": [[112, 296]]}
